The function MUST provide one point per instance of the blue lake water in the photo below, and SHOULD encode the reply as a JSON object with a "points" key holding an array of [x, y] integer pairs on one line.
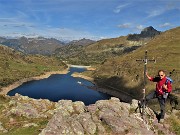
{"points": [[58, 87]]}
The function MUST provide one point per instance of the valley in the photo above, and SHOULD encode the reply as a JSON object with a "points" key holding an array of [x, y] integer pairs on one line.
{"points": [[112, 68]]}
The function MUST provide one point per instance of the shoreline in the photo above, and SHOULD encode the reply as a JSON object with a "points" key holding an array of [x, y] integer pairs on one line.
{"points": [[118, 94], [78, 66], [79, 75], [81, 66], [5, 90]]}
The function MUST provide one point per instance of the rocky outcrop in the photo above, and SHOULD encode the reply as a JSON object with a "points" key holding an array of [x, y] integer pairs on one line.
{"points": [[29, 108], [103, 117], [146, 33]]}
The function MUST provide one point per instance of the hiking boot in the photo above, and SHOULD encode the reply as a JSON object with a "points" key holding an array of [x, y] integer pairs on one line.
{"points": [[141, 103]]}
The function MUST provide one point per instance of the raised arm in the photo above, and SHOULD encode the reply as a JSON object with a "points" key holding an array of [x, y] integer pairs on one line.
{"points": [[150, 78]]}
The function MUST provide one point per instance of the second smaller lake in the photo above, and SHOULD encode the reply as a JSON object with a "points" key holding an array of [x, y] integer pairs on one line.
{"points": [[58, 87]]}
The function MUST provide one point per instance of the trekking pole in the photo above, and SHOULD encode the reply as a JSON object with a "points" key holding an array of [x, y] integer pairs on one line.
{"points": [[145, 60]]}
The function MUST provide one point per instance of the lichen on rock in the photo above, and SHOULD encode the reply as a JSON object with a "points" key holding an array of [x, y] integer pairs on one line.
{"points": [[105, 116], [2, 129]]}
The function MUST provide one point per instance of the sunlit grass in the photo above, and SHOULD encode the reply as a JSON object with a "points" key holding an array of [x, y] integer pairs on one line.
{"points": [[15, 66], [165, 48]]}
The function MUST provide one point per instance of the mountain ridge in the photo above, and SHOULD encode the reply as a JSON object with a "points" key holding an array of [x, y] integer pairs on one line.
{"points": [[146, 33], [38, 45], [81, 42], [99, 51]]}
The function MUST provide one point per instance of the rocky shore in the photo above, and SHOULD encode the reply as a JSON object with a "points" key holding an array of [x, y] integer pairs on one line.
{"points": [[5, 90]]}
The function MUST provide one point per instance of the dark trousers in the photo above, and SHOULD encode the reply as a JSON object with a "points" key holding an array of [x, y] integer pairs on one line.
{"points": [[161, 100]]}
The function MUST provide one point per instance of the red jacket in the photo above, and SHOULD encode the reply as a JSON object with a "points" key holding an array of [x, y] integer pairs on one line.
{"points": [[159, 85]]}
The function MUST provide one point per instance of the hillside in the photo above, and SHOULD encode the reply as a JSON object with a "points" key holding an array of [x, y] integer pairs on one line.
{"points": [[98, 52], [23, 115], [125, 74], [15, 65]]}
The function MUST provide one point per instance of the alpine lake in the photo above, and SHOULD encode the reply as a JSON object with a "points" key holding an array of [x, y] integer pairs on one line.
{"points": [[61, 86]]}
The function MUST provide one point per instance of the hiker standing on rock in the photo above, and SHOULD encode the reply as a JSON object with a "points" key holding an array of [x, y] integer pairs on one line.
{"points": [[163, 88]]}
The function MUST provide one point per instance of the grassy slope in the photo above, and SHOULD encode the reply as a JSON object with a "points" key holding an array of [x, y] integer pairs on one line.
{"points": [[165, 48], [17, 128], [105, 43], [15, 65]]}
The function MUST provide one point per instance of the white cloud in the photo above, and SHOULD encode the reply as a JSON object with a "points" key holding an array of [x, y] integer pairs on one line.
{"points": [[14, 22], [139, 27], [120, 7], [165, 25], [125, 25], [6, 19], [155, 13], [173, 5], [165, 7], [48, 32], [103, 37], [21, 14]]}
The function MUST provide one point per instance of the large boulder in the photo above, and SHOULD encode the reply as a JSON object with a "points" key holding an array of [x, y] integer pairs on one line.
{"points": [[103, 117]]}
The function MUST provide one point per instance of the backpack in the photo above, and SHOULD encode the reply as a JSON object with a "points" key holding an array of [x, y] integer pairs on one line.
{"points": [[168, 79]]}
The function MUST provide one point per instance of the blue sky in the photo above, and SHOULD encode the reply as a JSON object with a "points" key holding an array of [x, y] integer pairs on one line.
{"points": [[93, 19]]}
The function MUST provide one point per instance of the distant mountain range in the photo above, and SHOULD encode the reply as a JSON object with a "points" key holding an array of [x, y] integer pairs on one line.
{"points": [[98, 52], [40, 45], [83, 51]]}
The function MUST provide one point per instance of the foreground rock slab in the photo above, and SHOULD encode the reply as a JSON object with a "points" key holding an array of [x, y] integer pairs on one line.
{"points": [[103, 117]]}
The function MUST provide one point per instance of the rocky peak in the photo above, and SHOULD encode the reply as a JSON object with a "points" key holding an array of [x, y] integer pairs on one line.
{"points": [[2, 39], [150, 28], [23, 40], [149, 32], [82, 42], [146, 33]]}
